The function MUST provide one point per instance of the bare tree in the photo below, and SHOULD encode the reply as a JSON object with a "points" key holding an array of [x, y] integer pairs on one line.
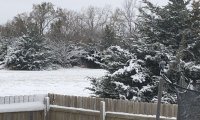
{"points": [[43, 14], [15, 28], [117, 22], [94, 20], [129, 11], [66, 26]]}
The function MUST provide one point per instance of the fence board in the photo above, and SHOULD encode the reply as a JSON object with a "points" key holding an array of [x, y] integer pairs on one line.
{"points": [[31, 98], [21, 99], [16, 99], [2, 100], [7, 100]]}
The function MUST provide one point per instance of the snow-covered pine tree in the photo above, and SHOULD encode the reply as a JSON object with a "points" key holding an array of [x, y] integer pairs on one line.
{"points": [[176, 27], [114, 58], [127, 78], [130, 82], [127, 84], [167, 25], [28, 53], [195, 30], [164, 25], [191, 70], [159, 35]]}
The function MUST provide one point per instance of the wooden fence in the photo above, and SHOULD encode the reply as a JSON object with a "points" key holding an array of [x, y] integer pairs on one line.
{"points": [[87, 108], [22, 107], [60, 107]]}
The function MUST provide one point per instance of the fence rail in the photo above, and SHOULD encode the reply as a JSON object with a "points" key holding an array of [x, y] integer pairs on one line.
{"points": [[82, 111], [99, 115]]}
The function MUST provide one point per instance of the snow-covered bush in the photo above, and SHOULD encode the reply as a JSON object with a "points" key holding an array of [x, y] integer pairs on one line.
{"points": [[27, 53], [67, 54]]}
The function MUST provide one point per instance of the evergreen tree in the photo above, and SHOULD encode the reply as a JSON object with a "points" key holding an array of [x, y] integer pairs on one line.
{"points": [[195, 28], [165, 25], [130, 82], [28, 53], [114, 58], [169, 26], [162, 33], [131, 76]]}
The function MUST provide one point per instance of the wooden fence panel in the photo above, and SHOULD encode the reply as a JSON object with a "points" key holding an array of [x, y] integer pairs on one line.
{"points": [[10, 105], [113, 105], [64, 107], [71, 113], [72, 101]]}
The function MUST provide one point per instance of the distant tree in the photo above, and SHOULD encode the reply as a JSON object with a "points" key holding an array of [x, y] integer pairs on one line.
{"points": [[43, 14], [117, 22], [109, 38], [20, 26], [66, 27], [93, 22], [28, 53], [129, 11], [67, 54]]}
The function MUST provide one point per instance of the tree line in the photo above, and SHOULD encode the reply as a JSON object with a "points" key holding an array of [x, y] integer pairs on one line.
{"points": [[93, 29]]}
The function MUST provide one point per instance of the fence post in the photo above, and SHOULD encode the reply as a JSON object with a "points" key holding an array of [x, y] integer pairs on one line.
{"points": [[47, 108], [102, 111], [160, 87]]}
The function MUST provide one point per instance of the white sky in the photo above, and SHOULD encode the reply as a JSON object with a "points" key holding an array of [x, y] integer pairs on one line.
{"points": [[10, 8]]}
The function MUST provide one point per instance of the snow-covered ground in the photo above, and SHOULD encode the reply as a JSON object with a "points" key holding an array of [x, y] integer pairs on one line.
{"points": [[71, 81]]}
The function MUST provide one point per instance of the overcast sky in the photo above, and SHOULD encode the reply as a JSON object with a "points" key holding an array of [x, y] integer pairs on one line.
{"points": [[10, 8]]}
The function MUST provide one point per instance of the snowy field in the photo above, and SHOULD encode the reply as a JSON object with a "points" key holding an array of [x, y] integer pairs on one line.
{"points": [[71, 81]]}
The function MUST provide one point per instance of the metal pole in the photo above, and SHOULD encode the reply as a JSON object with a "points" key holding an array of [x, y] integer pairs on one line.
{"points": [[159, 98]]}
